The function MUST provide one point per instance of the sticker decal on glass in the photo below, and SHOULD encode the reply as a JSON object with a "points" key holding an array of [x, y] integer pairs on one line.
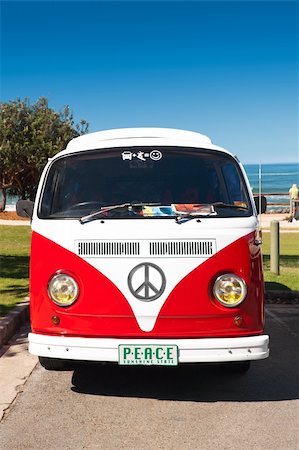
{"points": [[154, 155]]}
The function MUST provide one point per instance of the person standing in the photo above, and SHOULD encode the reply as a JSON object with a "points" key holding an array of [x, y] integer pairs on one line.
{"points": [[294, 195]]}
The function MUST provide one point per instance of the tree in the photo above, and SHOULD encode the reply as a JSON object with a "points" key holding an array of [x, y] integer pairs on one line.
{"points": [[29, 135]]}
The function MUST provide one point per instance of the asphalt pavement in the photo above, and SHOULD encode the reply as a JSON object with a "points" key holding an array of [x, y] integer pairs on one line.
{"points": [[189, 407]]}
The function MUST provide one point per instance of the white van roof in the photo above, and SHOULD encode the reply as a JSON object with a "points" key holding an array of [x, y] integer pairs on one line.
{"points": [[134, 137], [92, 140]]}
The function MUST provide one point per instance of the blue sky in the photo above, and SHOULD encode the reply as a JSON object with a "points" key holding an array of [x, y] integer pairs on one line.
{"points": [[226, 69]]}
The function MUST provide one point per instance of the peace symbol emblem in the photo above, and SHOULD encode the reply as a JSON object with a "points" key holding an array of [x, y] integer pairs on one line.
{"points": [[146, 282]]}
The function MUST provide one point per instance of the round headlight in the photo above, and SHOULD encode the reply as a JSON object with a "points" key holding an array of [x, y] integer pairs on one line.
{"points": [[63, 289], [230, 290]]}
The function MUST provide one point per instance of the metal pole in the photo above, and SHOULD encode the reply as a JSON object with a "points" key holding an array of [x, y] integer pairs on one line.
{"points": [[274, 247], [260, 192]]}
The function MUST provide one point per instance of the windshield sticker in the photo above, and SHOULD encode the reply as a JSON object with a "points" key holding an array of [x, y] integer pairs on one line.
{"points": [[154, 155]]}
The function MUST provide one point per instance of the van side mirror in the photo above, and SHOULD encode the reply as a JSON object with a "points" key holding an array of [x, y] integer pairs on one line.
{"points": [[24, 208], [260, 201]]}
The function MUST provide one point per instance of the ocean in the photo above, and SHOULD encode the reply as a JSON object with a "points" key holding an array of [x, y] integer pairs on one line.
{"points": [[276, 178]]}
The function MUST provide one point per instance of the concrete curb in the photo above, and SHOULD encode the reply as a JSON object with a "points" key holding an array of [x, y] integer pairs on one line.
{"points": [[10, 323], [20, 314]]}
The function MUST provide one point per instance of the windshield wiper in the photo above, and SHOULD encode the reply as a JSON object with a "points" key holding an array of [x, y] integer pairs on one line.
{"points": [[97, 214], [182, 217]]}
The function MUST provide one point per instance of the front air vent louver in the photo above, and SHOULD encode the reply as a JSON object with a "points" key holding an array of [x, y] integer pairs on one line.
{"points": [[108, 248], [182, 248]]}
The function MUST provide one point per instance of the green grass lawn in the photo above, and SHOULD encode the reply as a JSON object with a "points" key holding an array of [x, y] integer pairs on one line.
{"points": [[289, 263], [14, 264]]}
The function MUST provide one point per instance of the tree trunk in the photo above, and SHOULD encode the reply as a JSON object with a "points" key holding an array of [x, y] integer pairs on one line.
{"points": [[3, 199]]}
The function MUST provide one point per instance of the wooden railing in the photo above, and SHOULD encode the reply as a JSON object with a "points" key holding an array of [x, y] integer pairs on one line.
{"points": [[285, 204], [279, 205]]}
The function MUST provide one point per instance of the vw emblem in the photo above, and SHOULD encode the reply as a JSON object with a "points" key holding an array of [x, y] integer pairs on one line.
{"points": [[146, 282]]}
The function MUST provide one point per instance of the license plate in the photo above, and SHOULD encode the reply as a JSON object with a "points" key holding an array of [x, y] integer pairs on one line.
{"points": [[148, 355]]}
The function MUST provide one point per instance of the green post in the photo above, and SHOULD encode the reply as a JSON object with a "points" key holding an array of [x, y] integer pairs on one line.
{"points": [[274, 247]]}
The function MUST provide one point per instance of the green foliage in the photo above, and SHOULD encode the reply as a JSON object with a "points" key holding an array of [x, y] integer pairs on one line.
{"points": [[29, 135]]}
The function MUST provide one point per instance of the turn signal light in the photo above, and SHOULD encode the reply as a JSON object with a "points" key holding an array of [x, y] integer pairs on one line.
{"points": [[55, 320]]}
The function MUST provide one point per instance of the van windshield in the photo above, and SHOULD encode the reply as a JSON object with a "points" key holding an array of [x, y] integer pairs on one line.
{"points": [[162, 182]]}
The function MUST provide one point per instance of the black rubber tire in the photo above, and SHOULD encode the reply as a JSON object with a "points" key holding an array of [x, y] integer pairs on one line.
{"points": [[54, 363]]}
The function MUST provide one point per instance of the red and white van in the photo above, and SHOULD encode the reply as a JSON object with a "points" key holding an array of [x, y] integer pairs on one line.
{"points": [[145, 250]]}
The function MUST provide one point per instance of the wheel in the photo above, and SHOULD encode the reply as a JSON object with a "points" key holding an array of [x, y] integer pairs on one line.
{"points": [[54, 363], [238, 367]]}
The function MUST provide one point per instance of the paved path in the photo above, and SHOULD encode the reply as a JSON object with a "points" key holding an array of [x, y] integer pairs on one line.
{"points": [[14, 222], [16, 364], [284, 225]]}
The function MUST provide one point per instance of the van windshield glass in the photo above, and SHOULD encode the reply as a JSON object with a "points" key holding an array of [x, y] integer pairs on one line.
{"points": [[161, 182]]}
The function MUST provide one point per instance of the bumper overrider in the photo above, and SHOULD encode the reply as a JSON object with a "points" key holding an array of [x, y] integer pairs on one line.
{"points": [[189, 350]]}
